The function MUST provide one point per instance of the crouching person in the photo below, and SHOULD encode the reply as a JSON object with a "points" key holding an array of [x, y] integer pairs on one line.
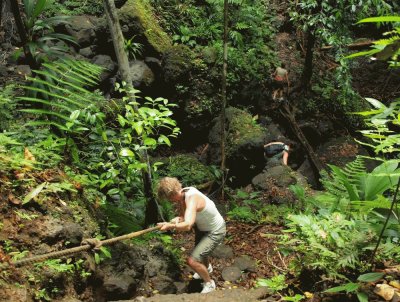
{"points": [[198, 211]]}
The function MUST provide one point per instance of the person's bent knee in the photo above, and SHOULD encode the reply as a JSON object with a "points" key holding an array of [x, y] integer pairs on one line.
{"points": [[191, 261]]}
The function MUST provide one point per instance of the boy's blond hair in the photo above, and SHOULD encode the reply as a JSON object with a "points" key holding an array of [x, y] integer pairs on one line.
{"points": [[167, 187]]}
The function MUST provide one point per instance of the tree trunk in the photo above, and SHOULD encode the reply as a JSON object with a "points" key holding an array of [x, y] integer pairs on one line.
{"points": [[123, 64], [2, 4], [316, 164], [308, 62], [23, 35], [223, 113]]}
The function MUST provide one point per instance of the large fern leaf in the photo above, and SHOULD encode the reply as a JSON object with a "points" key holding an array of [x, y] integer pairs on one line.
{"points": [[59, 90]]}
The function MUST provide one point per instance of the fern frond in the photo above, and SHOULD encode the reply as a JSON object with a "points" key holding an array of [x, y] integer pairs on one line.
{"points": [[54, 95], [48, 113], [45, 102]]}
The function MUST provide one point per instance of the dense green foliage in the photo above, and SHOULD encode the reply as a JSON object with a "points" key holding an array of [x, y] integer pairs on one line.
{"points": [[250, 53], [76, 7], [43, 43], [333, 24]]}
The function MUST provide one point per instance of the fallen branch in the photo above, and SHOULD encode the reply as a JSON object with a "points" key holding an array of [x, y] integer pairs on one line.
{"points": [[351, 46]]}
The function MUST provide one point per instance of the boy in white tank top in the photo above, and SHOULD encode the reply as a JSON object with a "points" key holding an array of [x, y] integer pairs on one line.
{"points": [[197, 210]]}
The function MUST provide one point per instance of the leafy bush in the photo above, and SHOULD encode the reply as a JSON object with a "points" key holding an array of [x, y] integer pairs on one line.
{"points": [[7, 107], [187, 169], [250, 34], [76, 7], [328, 242], [245, 207]]}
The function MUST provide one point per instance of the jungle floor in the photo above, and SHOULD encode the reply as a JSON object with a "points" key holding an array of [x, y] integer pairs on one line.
{"points": [[257, 241]]}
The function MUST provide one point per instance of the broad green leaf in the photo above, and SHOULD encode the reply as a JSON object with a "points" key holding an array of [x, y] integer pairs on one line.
{"points": [[113, 191], [362, 297], [148, 141], [126, 152], [35, 192], [96, 258], [75, 114], [348, 287], [164, 139], [40, 5], [121, 120], [105, 251], [370, 277], [380, 19], [376, 103]]}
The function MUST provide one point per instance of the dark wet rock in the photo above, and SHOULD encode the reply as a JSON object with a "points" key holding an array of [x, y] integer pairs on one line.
{"points": [[337, 151], [281, 175], [120, 287], [82, 28], [176, 63], [244, 145], [87, 52], [23, 70], [164, 285], [181, 287], [245, 263], [153, 268], [107, 63], [231, 273], [223, 252], [142, 76]]}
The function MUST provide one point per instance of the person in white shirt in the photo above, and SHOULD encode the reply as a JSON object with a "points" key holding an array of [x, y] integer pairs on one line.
{"points": [[198, 211]]}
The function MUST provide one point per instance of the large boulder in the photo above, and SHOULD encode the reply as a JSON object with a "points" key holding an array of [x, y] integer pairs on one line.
{"points": [[176, 63], [338, 151], [142, 76], [244, 145], [137, 18], [107, 63], [275, 182], [83, 29]]}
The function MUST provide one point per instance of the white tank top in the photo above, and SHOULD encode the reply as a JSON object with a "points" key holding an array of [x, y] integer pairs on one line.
{"points": [[208, 219]]}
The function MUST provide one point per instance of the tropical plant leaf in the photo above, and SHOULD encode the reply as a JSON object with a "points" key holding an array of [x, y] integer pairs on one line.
{"points": [[35, 192], [380, 19], [370, 277]]}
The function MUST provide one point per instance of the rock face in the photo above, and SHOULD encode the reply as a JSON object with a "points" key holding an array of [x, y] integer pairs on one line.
{"points": [[244, 145]]}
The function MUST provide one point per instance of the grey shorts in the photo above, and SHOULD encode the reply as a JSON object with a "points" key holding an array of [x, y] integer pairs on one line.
{"points": [[206, 242]]}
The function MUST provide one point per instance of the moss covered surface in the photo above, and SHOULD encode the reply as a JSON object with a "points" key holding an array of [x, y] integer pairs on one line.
{"points": [[242, 129], [187, 169], [141, 11]]}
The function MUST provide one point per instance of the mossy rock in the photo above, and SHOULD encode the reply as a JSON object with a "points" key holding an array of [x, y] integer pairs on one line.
{"points": [[138, 14], [244, 145], [242, 129], [177, 62], [187, 169]]}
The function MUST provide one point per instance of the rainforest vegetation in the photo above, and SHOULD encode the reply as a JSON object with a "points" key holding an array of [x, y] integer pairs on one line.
{"points": [[100, 99]]}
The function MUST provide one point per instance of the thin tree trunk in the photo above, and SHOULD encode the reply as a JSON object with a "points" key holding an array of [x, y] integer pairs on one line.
{"points": [[23, 35], [316, 164], [308, 62], [223, 113], [2, 4], [152, 215]]}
